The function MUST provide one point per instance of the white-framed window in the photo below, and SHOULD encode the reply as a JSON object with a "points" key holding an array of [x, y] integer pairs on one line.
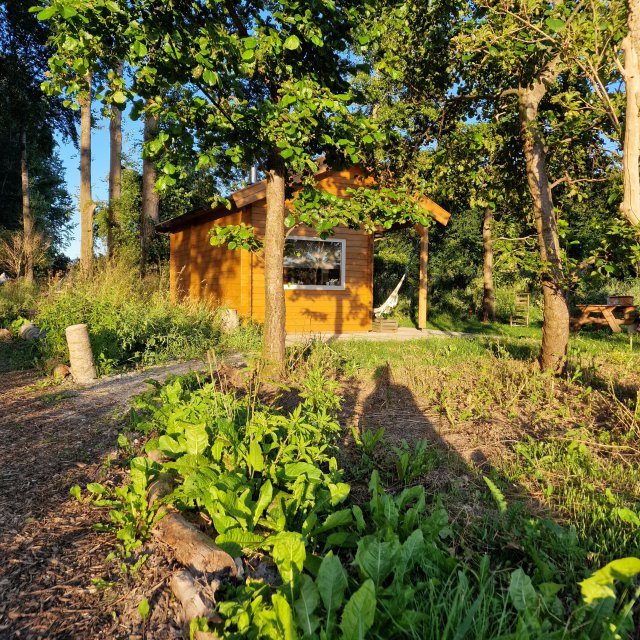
{"points": [[314, 263]]}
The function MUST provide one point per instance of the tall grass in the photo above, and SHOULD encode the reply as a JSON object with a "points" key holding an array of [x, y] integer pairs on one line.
{"points": [[17, 299], [131, 321]]}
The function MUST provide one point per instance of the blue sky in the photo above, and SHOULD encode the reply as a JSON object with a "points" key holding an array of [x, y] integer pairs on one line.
{"points": [[70, 156]]}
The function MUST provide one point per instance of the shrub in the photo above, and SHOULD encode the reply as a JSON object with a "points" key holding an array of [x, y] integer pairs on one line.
{"points": [[130, 321], [17, 299]]}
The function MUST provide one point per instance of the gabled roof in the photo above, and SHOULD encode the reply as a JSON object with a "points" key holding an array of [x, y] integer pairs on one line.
{"points": [[258, 191]]}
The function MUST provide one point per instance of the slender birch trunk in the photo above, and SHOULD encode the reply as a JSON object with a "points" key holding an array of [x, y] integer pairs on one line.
{"points": [[488, 298], [115, 170], [87, 206], [274, 238], [630, 206], [27, 217], [555, 327], [150, 198]]}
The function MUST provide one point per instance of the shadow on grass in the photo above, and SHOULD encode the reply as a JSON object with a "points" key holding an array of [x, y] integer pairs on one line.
{"points": [[18, 355]]}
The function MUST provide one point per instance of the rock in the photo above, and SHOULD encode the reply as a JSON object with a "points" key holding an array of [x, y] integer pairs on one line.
{"points": [[5, 335], [60, 372], [29, 331]]}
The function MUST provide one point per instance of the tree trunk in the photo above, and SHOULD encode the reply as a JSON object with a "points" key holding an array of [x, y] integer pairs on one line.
{"points": [[150, 198], [631, 159], [274, 319], [27, 218], [115, 170], [488, 299], [87, 206], [555, 327]]}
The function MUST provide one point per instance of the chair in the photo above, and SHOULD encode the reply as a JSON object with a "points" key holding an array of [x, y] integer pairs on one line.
{"points": [[520, 315]]}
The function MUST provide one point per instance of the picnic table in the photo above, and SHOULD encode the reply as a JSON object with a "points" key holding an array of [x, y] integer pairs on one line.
{"points": [[613, 315]]}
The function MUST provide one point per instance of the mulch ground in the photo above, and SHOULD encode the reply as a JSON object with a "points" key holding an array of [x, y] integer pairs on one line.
{"points": [[54, 582]]}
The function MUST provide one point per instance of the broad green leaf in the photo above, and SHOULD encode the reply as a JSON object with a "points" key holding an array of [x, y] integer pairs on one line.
{"points": [[340, 518], [521, 591], [359, 613], [139, 48], [255, 458], [376, 559], [555, 24], [284, 616], [306, 605], [627, 515], [292, 42], [47, 13], [599, 585], [143, 608], [170, 446], [264, 500], [237, 539], [288, 553], [196, 439], [332, 583]]}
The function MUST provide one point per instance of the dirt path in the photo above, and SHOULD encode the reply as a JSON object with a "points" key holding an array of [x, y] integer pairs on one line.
{"points": [[51, 439]]}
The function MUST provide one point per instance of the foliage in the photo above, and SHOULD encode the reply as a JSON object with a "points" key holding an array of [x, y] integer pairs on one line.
{"points": [[17, 299], [393, 566], [130, 321], [24, 107]]}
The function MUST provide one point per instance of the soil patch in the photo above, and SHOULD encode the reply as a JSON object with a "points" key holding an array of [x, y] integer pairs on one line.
{"points": [[53, 576]]}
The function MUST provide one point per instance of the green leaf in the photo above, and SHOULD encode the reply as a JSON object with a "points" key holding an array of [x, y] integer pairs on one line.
{"points": [[250, 42], [139, 48], [292, 42], [255, 459], [95, 487], [555, 24], [196, 439], [332, 583], [170, 446], [359, 612], [289, 554], [76, 492], [143, 608], [284, 616], [376, 559], [286, 153], [264, 500], [47, 13], [306, 605], [233, 541], [521, 591], [627, 515], [600, 584], [497, 495]]}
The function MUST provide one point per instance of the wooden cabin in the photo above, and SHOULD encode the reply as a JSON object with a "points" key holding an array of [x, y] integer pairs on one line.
{"points": [[329, 283]]}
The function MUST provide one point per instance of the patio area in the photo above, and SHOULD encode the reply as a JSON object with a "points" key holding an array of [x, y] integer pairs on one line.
{"points": [[402, 334]]}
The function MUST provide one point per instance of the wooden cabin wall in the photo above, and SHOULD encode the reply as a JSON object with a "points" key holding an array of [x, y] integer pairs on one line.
{"points": [[326, 311], [199, 271]]}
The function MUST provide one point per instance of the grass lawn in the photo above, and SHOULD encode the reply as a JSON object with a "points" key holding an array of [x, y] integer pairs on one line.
{"points": [[568, 449]]}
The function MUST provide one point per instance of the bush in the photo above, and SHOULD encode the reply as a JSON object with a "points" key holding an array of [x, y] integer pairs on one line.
{"points": [[130, 321], [17, 300]]}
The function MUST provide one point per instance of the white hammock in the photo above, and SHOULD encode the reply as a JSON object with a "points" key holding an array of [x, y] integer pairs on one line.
{"points": [[390, 302]]}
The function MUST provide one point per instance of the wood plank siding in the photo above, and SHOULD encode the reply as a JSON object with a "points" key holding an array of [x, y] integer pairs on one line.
{"points": [[201, 272], [327, 311]]}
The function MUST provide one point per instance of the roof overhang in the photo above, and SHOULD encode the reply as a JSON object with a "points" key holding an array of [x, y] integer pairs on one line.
{"points": [[258, 191]]}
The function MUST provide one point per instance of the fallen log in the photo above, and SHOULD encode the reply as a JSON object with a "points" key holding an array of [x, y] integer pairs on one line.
{"points": [[195, 603], [192, 548]]}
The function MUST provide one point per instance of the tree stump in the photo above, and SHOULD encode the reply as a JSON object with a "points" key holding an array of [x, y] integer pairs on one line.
{"points": [[80, 355]]}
